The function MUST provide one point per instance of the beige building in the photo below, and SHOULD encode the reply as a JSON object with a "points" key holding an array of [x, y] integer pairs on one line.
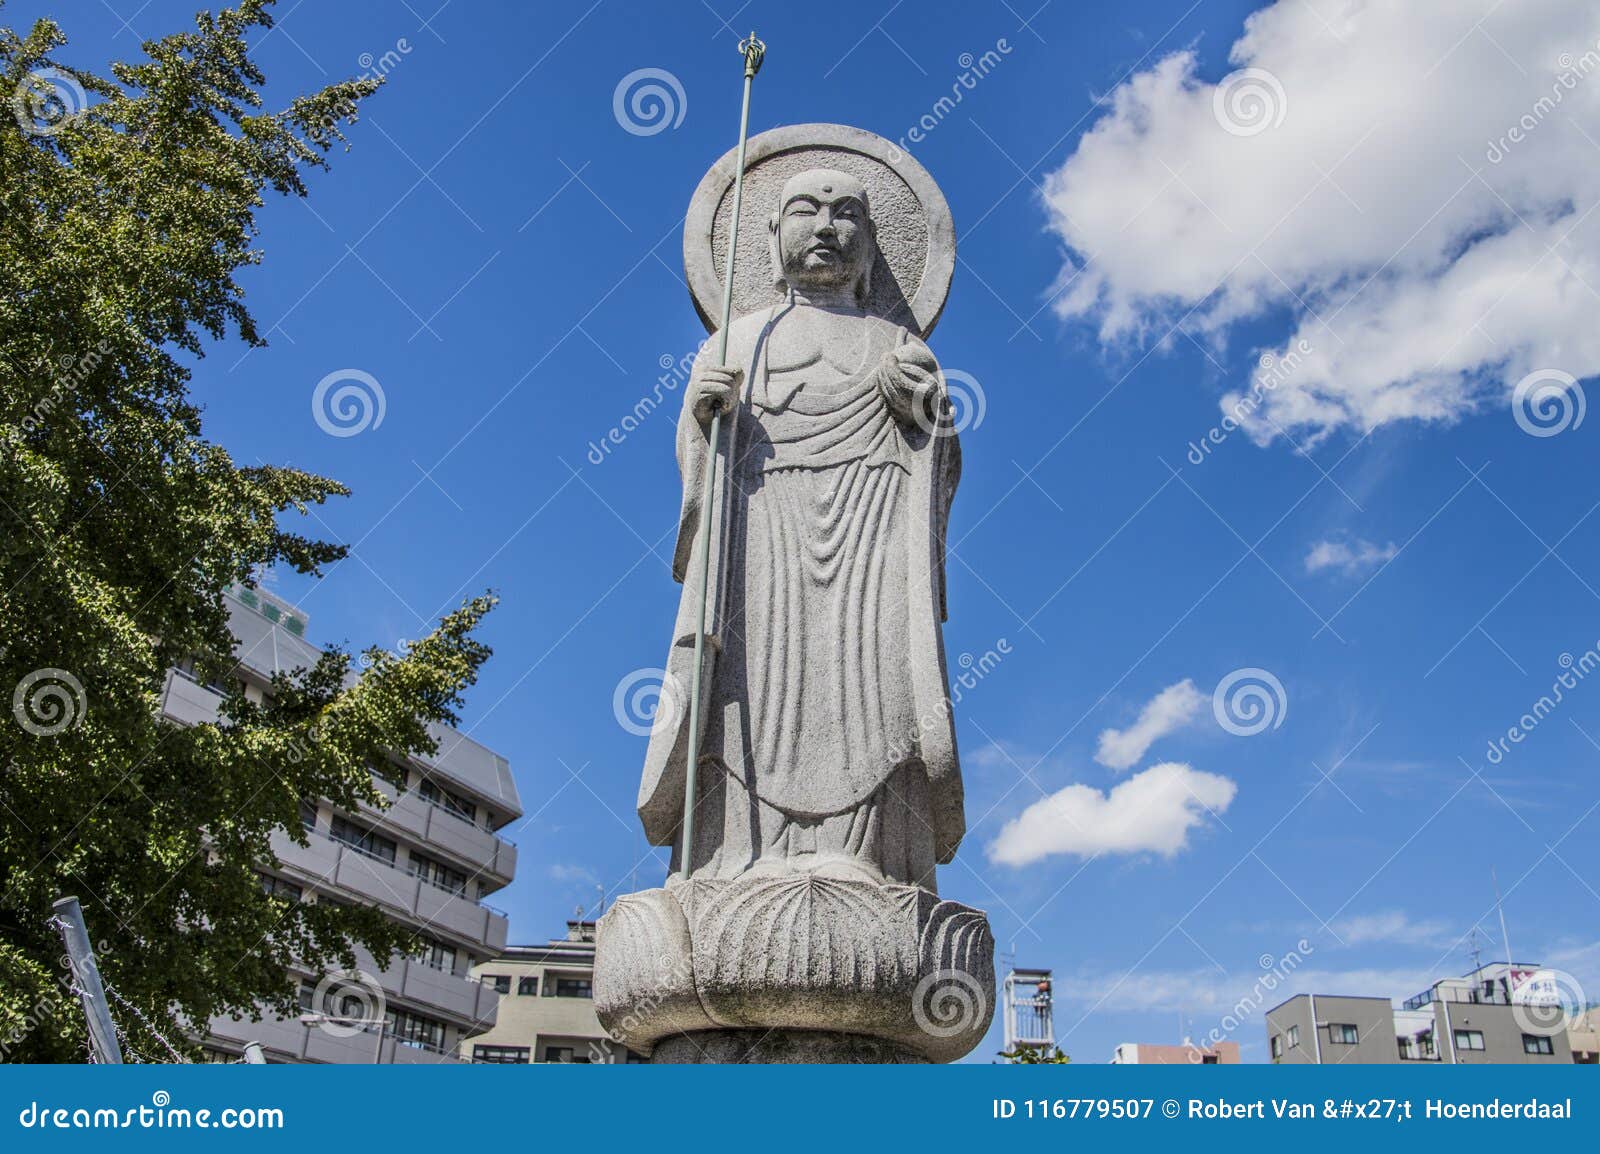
{"points": [[546, 1005], [427, 860], [1583, 1035]]}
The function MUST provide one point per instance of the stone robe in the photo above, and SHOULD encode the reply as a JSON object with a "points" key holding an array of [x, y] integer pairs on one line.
{"points": [[827, 725]]}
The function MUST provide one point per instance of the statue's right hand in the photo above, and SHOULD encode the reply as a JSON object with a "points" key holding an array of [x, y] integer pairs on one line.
{"points": [[713, 389]]}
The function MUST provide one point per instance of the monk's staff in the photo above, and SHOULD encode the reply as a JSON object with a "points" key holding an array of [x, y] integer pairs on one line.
{"points": [[753, 51]]}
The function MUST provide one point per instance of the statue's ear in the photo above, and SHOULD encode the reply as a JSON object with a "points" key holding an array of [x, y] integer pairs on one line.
{"points": [[864, 283], [775, 250]]}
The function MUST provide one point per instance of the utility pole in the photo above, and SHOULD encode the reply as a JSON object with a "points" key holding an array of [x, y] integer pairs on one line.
{"points": [[86, 981]]}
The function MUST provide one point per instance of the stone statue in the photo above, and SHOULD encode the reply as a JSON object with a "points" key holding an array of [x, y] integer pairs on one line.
{"points": [[829, 785]]}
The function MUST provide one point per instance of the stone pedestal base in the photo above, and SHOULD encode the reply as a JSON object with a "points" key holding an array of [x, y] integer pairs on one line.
{"points": [[796, 964], [777, 1047]]}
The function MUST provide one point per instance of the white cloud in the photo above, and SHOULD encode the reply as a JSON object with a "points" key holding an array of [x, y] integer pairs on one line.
{"points": [[1153, 811], [1422, 209], [1348, 557], [1394, 927], [1174, 706]]}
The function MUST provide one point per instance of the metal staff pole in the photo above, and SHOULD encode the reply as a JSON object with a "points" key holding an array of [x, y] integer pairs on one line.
{"points": [[86, 981], [753, 52]]}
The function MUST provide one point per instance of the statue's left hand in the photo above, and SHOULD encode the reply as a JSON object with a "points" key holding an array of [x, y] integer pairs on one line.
{"points": [[909, 380]]}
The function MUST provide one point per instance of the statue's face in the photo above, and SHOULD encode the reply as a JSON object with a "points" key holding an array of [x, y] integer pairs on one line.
{"points": [[824, 230]]}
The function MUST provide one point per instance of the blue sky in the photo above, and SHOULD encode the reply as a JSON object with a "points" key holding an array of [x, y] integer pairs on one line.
{"points": [[504, 259]]}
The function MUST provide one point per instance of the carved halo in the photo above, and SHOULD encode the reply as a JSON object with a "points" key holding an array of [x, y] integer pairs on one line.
{"points": [[916, 236]]}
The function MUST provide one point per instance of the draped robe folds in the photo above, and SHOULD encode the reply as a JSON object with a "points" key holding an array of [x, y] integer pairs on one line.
{"points": [[824, 699]]}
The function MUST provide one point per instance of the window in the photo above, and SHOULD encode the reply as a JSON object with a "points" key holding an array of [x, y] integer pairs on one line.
{"points": [[500, 982], [529, 985], [1537, 1044], [363, 840], [279, 888], [447, 800], [1277, 1045], [565, 1054], [1469, 1039], [437, 874], [1343, 1033], [569, 988], [504, 1055], [436, 955], [1293, 1037], [411, 1029], [308, 815]]}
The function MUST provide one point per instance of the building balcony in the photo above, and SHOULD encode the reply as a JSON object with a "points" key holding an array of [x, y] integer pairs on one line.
{"points": [[492, 859], [188, 702], [342, 868]]}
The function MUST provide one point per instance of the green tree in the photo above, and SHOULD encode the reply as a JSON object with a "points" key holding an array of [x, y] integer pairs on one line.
{"points": [[127, 207], [1035, 1056]]}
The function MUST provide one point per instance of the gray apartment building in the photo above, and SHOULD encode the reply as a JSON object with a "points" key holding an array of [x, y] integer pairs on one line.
{"points": [[428, 861], [1467, 1020]]}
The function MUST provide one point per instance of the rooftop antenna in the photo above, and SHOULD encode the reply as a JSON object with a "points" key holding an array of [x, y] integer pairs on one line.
{"points": [[1474, 950], [1500, 906]]}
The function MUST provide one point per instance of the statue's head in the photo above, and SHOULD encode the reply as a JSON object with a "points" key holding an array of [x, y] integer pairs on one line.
{"points": [[822, 234]]}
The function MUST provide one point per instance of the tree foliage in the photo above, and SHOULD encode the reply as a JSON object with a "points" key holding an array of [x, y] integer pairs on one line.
{"points": [[127, 206], [1035, 1056]]}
